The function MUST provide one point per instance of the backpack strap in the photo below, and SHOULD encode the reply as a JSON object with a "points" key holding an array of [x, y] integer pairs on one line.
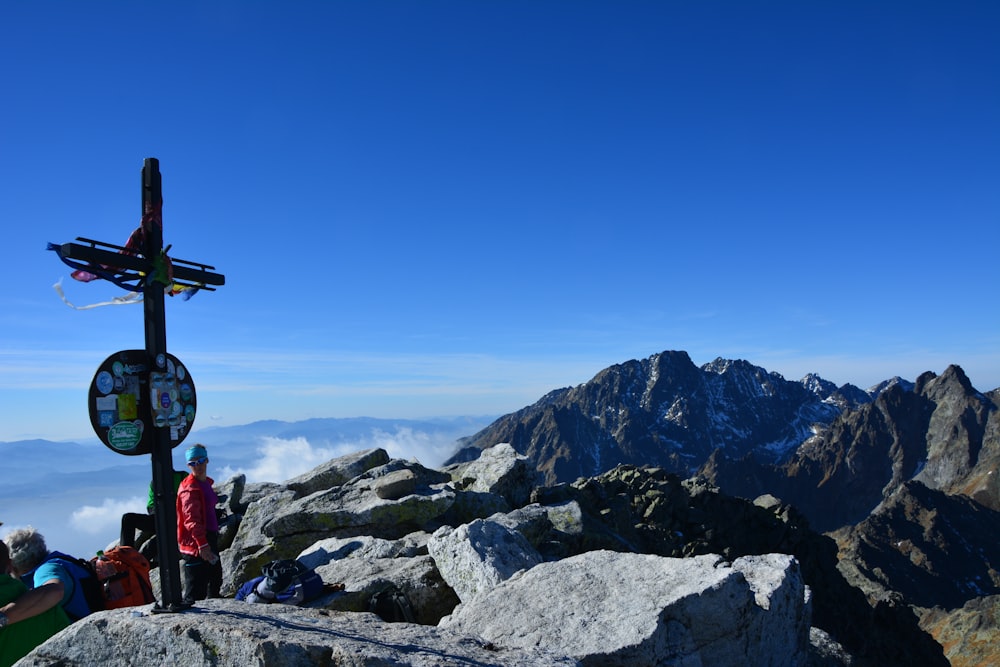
{"points": [[78, 570]]}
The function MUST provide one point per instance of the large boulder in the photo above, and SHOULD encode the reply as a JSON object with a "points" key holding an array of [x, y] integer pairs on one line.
{"points": [[631, 610], [337, 472], [477, 556], [357, 508], [227, 633], [367, 565], [499, 470]]}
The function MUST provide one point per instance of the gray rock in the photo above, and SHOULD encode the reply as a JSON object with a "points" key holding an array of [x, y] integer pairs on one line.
{"points": [[612, 609], [233, 490], [355, 508], [282, 524], [471, 505], [418, 578], [396, 485], [477, 556], [500, 470], [779, 593], [825, 651], [337, 471], [363, 547], [227, 633]]}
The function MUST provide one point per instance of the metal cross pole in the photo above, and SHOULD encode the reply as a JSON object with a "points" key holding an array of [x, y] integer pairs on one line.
{"points": [[149, 265], [155, 319]]}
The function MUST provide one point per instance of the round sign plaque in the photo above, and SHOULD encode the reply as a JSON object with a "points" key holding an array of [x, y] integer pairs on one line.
{"points": [[129, 399]]}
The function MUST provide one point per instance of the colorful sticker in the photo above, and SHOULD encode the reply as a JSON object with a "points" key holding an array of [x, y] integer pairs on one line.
{"points": [[104, 382], [127, 408], [106, 403], [124, 436]]}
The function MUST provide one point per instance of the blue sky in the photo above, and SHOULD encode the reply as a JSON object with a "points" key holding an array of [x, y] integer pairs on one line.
{"points": [[445, 208]]}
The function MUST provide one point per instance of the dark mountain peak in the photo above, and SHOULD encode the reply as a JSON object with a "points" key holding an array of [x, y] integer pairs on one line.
{"points": [[741, 368], [818, 385], [846, 397], [894, 381], [849, 397], [952, 381]]}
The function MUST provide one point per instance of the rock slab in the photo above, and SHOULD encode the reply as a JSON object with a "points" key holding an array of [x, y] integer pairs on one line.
{"points": [[227, 633]]}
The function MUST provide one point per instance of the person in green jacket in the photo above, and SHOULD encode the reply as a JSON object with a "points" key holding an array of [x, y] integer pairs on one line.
{"points": [[144, 523], [23, 627]]}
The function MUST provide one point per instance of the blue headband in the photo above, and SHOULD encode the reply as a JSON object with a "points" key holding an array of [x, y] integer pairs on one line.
{"points": [[195, 452]]}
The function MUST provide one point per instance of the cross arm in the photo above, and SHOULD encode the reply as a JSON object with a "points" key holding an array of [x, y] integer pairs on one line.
{"points": [[182, 270]]}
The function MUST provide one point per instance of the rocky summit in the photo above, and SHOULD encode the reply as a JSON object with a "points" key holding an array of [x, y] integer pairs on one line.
{"points": [[660, 514], [634, 567]]}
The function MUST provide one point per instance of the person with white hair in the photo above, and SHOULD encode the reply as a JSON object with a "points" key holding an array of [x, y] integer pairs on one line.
{"points": [[19, 631], [53, 577]]}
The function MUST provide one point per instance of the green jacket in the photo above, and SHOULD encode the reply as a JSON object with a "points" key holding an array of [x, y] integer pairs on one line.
{"points": [[17, 639], [179, 476]]}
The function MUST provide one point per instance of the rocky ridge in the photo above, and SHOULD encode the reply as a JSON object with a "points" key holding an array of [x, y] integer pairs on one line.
{"points": [[667, 412], [633, 567]]}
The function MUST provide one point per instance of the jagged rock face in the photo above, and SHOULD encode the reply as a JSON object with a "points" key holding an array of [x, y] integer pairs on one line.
{"points": [[662, 411], [940, 431], [931, 548], [968, 634], [961, 456]]}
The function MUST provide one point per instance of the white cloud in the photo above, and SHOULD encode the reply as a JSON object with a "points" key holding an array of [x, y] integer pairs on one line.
{"points": [[106, 518], [406, 443], [281, 459]]}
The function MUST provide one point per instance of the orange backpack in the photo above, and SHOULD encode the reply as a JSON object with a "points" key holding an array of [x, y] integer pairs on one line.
{"points": [[124, 576]]}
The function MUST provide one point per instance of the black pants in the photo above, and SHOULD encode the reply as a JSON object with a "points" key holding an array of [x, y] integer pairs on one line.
{"points": [[200, 578], [144, 523]]}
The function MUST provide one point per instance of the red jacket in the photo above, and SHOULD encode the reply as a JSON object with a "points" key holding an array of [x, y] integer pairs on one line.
{"points": [[191, 516]]}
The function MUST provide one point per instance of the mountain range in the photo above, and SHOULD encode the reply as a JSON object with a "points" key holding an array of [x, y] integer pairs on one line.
{"points": [[902, 476]]}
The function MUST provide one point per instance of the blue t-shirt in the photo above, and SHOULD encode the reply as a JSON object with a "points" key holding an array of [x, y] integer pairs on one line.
{"points": [[74, 602]]}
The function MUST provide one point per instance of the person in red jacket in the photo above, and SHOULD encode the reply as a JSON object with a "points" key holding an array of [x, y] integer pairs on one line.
{"points": [[198, 530]]}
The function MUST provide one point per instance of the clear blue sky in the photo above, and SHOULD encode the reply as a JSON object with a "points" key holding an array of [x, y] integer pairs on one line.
{"points": [[443, 208]]}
